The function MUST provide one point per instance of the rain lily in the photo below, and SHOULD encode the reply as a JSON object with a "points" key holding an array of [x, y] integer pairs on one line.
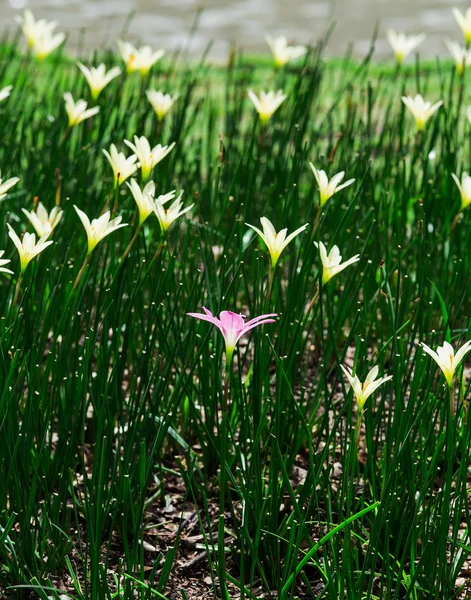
{"points": [[332, 262], [168, 216], [403, 44], [161, 102], [464, 21], [3, 262], [99, 228], [461, 55], [98, 78], [232, 326], [141, 59], [122, 167], [148, 157], [328, 188], [144, 198], [364, 390], [282, 52], [6, 185], [421, 110], [267, 103], [446, 358], [40, 34], [276, 242], [77, 111], [5, 92], [28, 248], [44, 223], [465, 189]]}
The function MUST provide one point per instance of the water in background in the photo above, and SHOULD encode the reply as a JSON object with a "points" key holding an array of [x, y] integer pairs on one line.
{"points": [[166, 23]]}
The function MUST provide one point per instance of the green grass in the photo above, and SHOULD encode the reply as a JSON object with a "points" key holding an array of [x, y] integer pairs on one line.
{"points": [[110, 394]]}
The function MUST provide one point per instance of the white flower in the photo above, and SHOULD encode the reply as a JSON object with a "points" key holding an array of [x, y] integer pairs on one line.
{"points": [[161, 102], [331, 263], [40, 34], [144, 198], [328, 188], [446, 358], [98, 78], [28, 248], [364, 390], [141, 59], [267, 103], [468, 113], [461, 55], [421, 110], [168, 216], [122, 167], [99, 228], [465, 189], [403, 44], [464, 21], [148, 157], [282, 52], [6, 185], [276, 242], [43, 222], [5, 92], [77, 111], [3, 262]]}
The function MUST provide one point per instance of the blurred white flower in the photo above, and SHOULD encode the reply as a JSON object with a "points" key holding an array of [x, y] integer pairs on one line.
{"points": [[5, 92], [98, 78], [97, 229], [43, 222], [267, 103], [461, 55], [161, 102], [421, 110], [77, 111], [403, 44], [141, 59], [28, 248], [122, 167], [3, 262], [328, 188], [144, 198], [40, 34], [167, 216], [282, 51], [148, 157], [464, 21], [276, 241], [332, 262]]}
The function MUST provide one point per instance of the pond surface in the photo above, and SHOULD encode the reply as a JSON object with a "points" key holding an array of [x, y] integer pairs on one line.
{"points": [[166, 23]]}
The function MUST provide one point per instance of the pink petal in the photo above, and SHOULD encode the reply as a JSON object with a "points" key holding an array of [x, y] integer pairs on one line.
{"points": [[257, 319], [249, 327], [231, 321]]}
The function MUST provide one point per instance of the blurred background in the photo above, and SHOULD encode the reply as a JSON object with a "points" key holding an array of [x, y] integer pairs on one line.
{"points": [[167, 23]]}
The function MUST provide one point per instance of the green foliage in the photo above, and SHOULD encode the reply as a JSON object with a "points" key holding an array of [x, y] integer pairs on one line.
{"points": [[108, 390]]}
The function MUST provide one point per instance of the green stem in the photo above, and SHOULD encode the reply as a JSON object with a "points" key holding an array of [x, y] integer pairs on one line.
{"points": [[271, 278], [131, 243], [222, 483], [316, 222], [358, 427], [80, 273], [452, 401], [17, 289], [321, 542], [313, 301]]}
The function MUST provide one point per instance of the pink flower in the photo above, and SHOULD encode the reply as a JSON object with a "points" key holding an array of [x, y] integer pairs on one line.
{"points": [[232, 326]]}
